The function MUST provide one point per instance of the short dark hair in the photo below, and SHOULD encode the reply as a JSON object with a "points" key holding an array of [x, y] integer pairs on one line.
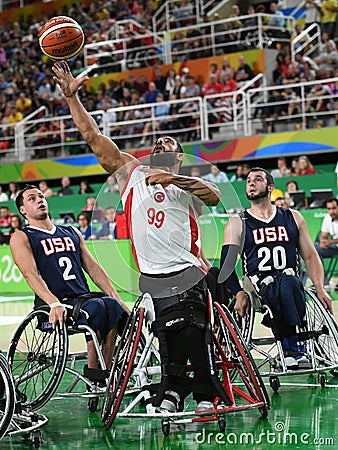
{"points": [[19, 198], [294, 182], [332, 199], [269, 177]]}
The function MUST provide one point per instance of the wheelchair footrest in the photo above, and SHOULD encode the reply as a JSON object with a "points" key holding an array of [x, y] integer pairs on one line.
{"points": [[95, 374]]}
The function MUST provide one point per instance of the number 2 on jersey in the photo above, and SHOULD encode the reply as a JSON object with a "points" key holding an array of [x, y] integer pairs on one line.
{"points": [[155, 217], [64, 261]]}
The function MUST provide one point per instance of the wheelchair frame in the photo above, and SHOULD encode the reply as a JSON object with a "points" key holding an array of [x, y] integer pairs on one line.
{"points": [[38, 358], [240, 378], [320, 334], [14, 419]]}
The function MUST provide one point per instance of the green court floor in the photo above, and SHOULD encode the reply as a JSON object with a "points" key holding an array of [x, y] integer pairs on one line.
{"points": [[303, 415]]}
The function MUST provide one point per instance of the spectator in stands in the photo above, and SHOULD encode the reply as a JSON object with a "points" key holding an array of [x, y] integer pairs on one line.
{"points": [[282, 168], [14, 116], [241, 174], [192, 89], [305, 166], [291, 101], [281, 69], [5, 216], [85, 188], [235, 25], [216, 175], [280, 201], [276, 21], [244, 72], [15, 224], [24, 104], [328, 17], [294, 170], [13, 190], [178, 88], [273, 107], [291, 186], [169, 83], [3, 195], [312, 13], [111, 185], [327, 245], [65, 187], [329, 58], [303, 41], [307, 73], [159, 79], [183, 12], [88, 231], [152, 93], [227, 67], [293, 74], [220, 35], [108, 229], [212, 87], [162, 110], [93, 206], [195, 172], [318, 98], [227, 82], [43, 186]]}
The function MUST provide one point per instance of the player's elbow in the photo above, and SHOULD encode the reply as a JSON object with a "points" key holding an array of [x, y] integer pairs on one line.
{"points": [[212, 199]]}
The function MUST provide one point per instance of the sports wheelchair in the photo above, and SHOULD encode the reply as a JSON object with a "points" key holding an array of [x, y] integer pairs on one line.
{"points": [[14, 418], [38, 357], [319, 336], [137, 364]]}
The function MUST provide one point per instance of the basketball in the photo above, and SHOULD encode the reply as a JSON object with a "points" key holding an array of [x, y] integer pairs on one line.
{"points": [[61, 38]]}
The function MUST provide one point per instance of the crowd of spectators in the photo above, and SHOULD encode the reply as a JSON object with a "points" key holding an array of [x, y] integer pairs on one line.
{"points": [[26, 81]]}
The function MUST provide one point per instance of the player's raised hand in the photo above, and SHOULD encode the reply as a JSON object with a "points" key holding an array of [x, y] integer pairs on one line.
{"points": [[157, 176], [63, 76]]}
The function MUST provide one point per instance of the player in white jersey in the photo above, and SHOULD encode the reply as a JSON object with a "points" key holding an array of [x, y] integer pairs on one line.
{"points": [[161, 208]]}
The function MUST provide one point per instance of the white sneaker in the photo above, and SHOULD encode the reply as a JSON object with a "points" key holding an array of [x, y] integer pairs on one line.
{"points": [[291, 363], [204, 405], [170, 402]]}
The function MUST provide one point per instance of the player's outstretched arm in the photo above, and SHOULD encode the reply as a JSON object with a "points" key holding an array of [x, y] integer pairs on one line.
{"points": [[106, 151], [24, 259]]}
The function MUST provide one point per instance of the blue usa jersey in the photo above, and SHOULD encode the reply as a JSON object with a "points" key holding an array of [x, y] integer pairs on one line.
{"points": [[270, 245], [58, 259]]}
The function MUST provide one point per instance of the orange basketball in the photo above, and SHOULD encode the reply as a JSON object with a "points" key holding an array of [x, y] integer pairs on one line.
{"points": [[61, 38]]}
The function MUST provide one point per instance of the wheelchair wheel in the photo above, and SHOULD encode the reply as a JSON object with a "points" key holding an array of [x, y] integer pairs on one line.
{"points": [[246, 323], [7, 396], [123, 364], [325, 330], [37, 357], [242, 367]]}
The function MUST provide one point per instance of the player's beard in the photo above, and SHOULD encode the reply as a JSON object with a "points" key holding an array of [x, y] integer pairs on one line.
{"points": [[262, 194], [166, 159]]}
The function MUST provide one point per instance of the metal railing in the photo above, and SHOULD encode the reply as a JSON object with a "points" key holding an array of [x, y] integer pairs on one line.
{"points": [[119, 55], [308, 46], [248, 111], [204, 39]]}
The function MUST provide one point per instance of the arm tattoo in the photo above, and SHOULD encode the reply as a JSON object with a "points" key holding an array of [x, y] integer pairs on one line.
{"points": [[198, 188]]}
